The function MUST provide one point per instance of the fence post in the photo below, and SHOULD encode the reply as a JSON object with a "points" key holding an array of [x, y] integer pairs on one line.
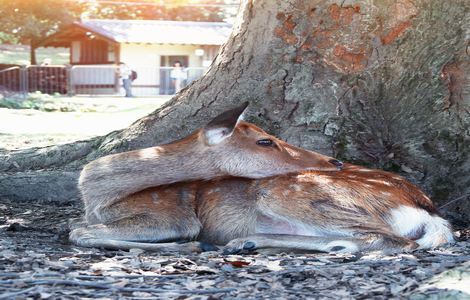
{"points": [[24, 86], [69, 75]]}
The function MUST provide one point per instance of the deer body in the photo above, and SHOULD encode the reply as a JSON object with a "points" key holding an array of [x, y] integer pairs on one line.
{"points": [[357, 209], [365, 209], [192, 190]]}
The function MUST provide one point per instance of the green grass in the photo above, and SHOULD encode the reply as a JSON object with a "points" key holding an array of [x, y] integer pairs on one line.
{"points": [[45, 103], [19, 54]]}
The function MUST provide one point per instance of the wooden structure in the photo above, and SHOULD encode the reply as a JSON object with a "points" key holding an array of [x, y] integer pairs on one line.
{"points": [[146, 46]]}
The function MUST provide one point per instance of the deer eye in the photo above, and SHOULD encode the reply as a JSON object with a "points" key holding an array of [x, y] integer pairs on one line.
{"points": [[264, 142]]}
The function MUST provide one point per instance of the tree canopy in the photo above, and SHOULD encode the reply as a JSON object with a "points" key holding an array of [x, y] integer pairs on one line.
{"points": [[179, 10], [22, 21], [26, 22]]}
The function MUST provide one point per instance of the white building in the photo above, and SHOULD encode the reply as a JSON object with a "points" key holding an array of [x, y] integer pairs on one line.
{"points": [[148, 47]]}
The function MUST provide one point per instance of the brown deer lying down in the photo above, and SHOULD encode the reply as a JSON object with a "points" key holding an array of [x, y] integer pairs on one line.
{"points": [[289, 198]]}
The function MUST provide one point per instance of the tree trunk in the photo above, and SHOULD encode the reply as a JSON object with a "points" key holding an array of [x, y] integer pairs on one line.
{"points": [[32, 52], [378, 83]]}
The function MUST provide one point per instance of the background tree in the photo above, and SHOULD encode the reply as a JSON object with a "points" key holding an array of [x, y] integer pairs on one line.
{"points": [[27, 22], [378, 83], [179, 10]]}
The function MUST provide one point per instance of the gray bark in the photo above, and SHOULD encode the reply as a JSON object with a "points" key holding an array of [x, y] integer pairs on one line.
{"points": [[377, 83]]}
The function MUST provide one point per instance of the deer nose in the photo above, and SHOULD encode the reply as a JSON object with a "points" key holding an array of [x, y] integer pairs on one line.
{"points": [[337, 163]]}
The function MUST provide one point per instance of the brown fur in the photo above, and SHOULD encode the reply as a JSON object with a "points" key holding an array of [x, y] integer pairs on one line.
{"points": [[111, 178], [350, 206]]}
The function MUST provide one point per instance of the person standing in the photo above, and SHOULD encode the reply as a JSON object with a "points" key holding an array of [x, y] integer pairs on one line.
{"points": [[178, 76], [125, 74]]}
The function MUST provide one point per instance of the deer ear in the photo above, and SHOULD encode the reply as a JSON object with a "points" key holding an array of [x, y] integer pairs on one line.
{"points": [[223, 125]]}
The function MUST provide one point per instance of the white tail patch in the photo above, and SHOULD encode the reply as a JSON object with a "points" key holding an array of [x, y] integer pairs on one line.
{"points": [[409, 221]]}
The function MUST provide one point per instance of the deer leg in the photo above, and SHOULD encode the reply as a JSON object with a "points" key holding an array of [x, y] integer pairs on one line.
{"points": [[143, 231], [338, 244]]}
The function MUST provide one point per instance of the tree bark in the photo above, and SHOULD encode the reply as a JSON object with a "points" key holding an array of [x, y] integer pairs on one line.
{"points": [[32, 52], [377, 83]]}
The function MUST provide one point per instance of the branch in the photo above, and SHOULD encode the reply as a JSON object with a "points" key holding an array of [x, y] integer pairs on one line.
{"points": [[126, 289], [455, 200], [12, 295]]}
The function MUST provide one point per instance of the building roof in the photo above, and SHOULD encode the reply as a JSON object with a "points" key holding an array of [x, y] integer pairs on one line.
{"points": [[159, 32]]}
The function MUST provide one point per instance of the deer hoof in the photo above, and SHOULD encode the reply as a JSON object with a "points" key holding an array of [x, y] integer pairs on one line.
{"points": [[205, 247], [238, 245]]}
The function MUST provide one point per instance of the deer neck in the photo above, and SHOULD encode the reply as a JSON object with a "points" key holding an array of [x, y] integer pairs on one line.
{"points": [[170, 166], [185, 160], [114, 177]]}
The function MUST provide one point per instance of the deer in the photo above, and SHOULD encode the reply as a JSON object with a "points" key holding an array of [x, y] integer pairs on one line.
{"points": [[231, 184]]}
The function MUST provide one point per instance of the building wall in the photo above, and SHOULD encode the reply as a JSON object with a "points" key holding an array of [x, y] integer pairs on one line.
{"points": [[145, 59], [137, 55]]}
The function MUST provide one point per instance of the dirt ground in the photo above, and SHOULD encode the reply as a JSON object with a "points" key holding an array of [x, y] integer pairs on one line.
{"points": [[37, 262], [25, 128]]}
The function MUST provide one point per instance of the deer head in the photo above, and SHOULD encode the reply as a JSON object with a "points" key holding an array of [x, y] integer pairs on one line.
{"points": [[242, 149]]}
